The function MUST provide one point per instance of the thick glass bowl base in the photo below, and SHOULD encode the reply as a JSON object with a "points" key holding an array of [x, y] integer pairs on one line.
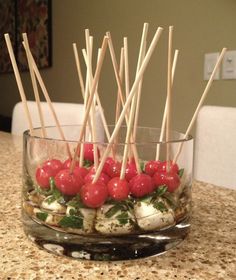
{"points": [[105, 248]]}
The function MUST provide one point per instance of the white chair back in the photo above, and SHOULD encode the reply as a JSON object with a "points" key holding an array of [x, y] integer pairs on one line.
{"points": [[215, 146], [67, 114]]}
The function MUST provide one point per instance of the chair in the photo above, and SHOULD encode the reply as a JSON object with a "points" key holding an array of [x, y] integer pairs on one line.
{"points": [[67, 114], [215, 146]]}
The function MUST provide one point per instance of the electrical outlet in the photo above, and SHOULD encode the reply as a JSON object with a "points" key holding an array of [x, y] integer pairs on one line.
{"points": [[229, 65], [209, 64]]}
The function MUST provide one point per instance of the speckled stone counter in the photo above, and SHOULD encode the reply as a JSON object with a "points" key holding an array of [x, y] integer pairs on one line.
{"points": [[209, 252]]}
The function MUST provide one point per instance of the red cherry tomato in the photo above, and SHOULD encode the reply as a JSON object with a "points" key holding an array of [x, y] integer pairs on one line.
{"points": [[89, 152], [81, 171], [173, 167], [171, 180], [94, 195], [114, 169], [118, 189], [159, 178], [103, 178], [68, 183], [54, 164], [141, 185], [67, 163], [109, 161], [43, 175], [152, 166], [130, 171]]}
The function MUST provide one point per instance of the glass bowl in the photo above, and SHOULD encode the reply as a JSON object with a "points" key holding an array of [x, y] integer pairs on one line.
{"points": [[106, 221]]}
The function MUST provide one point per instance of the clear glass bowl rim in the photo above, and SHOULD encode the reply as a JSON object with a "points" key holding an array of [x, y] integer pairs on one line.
{"points": [[26, 134]]}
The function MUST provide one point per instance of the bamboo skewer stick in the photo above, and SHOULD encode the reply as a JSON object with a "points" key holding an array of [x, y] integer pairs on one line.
{"points": [[46, 95], [163, 125], [126, 105], [35, 88], [19, 82], [169, 96], [104, 122], [142, 51], [120, 91], [79, 72], [118, 101], [89, 47], [126, 56], [207, 88], [90, 100], [121, 70]]}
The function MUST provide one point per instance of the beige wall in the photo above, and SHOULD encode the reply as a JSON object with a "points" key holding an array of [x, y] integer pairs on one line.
{"points": [[200, 26]]}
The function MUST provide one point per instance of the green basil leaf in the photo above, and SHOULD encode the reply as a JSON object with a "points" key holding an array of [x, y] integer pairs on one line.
{"points": [[181, 172], [161, 190], [42, 216], [71, 221], [113, 210], [159, 205], [123, 218]]}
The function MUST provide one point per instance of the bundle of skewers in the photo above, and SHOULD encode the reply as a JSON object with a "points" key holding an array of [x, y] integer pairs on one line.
{"points": [[103, 190]]}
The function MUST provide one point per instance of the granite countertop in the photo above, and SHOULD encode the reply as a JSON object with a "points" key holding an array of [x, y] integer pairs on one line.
{"points": [[209, 252]]}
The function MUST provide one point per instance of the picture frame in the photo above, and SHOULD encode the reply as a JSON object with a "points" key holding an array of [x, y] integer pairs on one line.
{"points": [[32, 17]]}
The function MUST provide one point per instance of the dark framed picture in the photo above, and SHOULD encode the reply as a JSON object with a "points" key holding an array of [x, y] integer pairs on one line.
{"points": [[26, 16]]}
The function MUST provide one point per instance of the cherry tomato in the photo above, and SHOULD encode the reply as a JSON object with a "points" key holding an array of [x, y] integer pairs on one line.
{"points": [[94, 195], [152, 166], [89, 152], [67, 163], [118, 189], [141, 185], [109, 161], [43, 175], [54, 164], [171, 180], [68, 183], [173, 167], [81, 171], [114, 169], [103, 177], [130, 171]]}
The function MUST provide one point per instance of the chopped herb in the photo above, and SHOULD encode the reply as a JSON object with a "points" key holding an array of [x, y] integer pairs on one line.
{"points": [[181, 172], [161, 190], [142, 166], [113, 210], [42, 216], [75, 212], [123, 218], [170, 200], [76, 202], [87, 163], [125, 205], [159, 205], [71, 221]]}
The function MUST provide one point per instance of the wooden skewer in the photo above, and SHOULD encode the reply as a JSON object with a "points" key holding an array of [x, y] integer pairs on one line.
{"points": [[142, 51], [163, 125], [35, 88], [120, 91], [126, 57], [118, 101], [79, 72], [90, 100], [46, 95], [101, 111], [168, 114], [121, 70], [19, 82], [207, 88], [89, 45], [126, 105]]}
